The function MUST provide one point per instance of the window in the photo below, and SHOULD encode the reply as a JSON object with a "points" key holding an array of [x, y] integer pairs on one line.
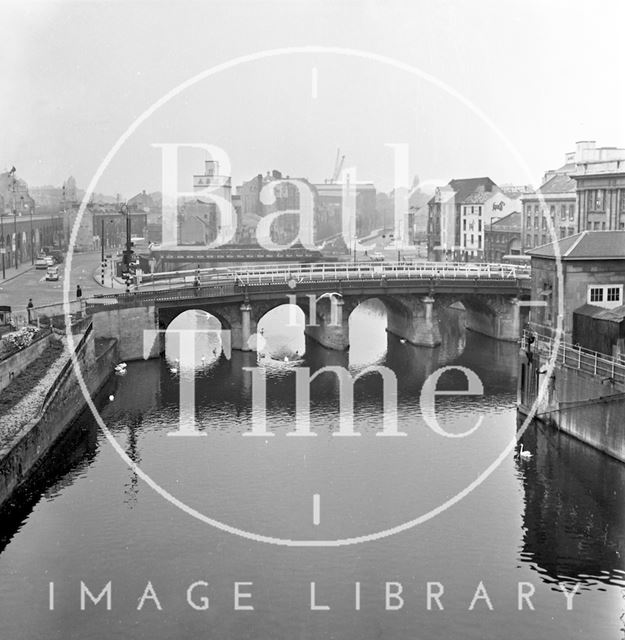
{"points": [[613, 294], [552, 211], [544, 224], [479, 226], [528, 240], [528, 222], [596, 294], [571, 212], [605, 295], [464, 225], [535, 221], [562, 211]]}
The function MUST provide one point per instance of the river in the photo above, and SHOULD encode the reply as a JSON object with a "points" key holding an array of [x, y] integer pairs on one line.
{"points": [[494, 563]]}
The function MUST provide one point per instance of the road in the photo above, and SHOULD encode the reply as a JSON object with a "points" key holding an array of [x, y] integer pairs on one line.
{"points": [[32, 283]]}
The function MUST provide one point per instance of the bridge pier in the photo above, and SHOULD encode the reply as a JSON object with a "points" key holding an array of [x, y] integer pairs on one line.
{"points": [[241, 335], [127, 326], [503, 322], [332, 328], [416, 321]]}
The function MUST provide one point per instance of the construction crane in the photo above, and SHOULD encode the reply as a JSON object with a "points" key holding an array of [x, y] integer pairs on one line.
{"points": [[338, 165]]}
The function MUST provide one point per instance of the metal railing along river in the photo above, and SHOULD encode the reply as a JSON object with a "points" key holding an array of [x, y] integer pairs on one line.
{"points": [[576, 357]]}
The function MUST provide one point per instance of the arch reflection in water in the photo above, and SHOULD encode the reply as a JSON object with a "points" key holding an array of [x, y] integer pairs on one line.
{"points": [[574, 513], [367, 333], [281, 333], [203, 351]]}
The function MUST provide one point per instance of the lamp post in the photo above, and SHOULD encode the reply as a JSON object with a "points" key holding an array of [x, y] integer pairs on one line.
{"points": [[102, 247], [2, 247], [12, 174]]}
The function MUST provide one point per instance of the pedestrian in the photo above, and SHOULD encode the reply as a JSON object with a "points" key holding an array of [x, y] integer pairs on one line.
{"points": [[78, 292], [29, 307]]}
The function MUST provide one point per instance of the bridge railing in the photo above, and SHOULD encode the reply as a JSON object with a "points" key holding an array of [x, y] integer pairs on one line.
{"points": [[576, 357], [323, 271]]}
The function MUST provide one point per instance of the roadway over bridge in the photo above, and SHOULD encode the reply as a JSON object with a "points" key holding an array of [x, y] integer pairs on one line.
{"points": [[413, 293]]}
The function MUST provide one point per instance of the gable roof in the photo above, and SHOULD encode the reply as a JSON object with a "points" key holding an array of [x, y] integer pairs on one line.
{"points": [[587, 245]]}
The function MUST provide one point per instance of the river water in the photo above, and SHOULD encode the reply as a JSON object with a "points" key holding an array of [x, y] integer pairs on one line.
{"points": [[544, 525]]}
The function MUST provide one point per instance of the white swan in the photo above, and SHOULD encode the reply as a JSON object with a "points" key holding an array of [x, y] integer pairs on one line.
{"points": [[402, 340], [523, 453]]}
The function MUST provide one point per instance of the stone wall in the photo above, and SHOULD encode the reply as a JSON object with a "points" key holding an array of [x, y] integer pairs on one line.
{"points": [[12, 366], [61, 407], [586, 406], [127, 326]]}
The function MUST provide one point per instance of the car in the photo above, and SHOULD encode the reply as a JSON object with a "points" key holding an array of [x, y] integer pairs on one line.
{"points": [[50, 261], [52, 274], [378, 256], [41, 262]]}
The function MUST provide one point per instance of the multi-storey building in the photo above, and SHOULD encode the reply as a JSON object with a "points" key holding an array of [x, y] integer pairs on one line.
{"points": [[503, 237], [286, 198], [600, 177], [553, 201], [459, 214]]}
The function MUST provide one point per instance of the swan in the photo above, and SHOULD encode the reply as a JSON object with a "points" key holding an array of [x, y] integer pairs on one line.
{"points": [[402, 340], [523, 453]]}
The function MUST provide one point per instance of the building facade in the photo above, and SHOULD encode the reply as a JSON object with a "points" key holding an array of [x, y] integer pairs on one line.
{"points": [[503, 237], [553, 204], [593, 272], [600, 177], [459, 215]]}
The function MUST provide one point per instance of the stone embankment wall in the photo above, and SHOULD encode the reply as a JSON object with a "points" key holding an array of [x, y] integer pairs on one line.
{"points": [[60, 406], [587, 406], [12, 366]]}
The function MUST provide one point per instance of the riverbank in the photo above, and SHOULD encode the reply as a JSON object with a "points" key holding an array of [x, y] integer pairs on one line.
{"points": [[33, 425]]}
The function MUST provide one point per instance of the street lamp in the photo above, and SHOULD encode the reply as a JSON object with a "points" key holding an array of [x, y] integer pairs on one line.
{"points": [[2, 247]]}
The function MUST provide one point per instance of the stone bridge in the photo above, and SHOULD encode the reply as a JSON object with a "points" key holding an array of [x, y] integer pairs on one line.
{"points": [[414, 295]]}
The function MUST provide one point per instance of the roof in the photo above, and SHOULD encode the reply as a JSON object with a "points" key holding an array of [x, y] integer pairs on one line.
{"points": [[512, 220], [465, 187], [560, 183], [616, 314], [587, 245]]}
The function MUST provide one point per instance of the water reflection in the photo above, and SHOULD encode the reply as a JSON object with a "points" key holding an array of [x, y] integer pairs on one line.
{"points": [[574, 520], [281, 334]]}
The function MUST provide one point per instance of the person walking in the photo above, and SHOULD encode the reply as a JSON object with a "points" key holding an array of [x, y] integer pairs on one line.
{"points": [[78, 292], [29, 308]]}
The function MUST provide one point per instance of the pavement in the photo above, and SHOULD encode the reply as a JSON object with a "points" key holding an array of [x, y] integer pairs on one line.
{"points": [[27, 282]]}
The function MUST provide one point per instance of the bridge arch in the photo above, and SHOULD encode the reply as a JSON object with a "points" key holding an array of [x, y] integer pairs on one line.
{"points": [[281, 331]]}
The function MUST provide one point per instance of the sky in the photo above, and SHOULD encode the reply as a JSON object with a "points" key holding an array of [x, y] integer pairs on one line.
{"points": [[502, 88]]}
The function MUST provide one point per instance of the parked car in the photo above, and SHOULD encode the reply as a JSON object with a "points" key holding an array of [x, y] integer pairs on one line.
{"points": [[41, 262], [52, 273], [50, 261]]}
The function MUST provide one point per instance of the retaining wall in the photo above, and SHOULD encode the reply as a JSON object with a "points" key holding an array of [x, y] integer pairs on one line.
{"points": [[62, 405], [14, 365], [589, 407]]}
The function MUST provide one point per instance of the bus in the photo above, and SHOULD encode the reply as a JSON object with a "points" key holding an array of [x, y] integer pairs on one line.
{"points": [[516, 258]]}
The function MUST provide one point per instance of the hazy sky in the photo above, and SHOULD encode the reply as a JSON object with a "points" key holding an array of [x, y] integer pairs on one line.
{"points": [[75, 75]]}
